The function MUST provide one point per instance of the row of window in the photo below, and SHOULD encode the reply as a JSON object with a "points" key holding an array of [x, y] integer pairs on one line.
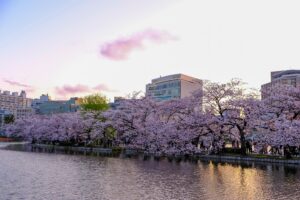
{"points": [[171, 92], [289, 82], [165, 85]]}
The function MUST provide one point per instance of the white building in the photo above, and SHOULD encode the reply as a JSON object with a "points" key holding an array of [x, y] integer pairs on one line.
{"points": [[16, 104], [173, 86]]}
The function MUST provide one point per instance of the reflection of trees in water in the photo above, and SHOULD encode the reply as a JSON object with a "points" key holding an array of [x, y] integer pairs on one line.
{"points": [[288, 168], [252, 180], [288, 171], [136, 178]]}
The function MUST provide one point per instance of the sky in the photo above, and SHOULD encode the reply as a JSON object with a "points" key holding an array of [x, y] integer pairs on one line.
{"points": [[74, 48]]}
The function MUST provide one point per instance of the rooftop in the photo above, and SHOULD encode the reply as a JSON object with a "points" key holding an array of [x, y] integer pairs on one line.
{"points": [[279, 74], [174, 77]]}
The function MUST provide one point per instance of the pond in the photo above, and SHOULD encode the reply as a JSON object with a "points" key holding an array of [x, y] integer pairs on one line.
{"points": [[31, 175]]}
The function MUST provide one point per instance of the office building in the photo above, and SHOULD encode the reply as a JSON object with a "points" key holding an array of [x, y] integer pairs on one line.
{"points": [[285, 77], [173, 87], [53, 107], [37, 102]]}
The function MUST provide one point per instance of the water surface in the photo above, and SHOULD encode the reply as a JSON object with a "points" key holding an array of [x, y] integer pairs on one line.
{"points": [[30, 175]]}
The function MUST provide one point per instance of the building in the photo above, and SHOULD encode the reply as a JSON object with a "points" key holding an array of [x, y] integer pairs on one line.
{"points": [[37, 102], [117, 102], [173, 87], [52, 107], [24, 112], [17, 104], [285, 77]]}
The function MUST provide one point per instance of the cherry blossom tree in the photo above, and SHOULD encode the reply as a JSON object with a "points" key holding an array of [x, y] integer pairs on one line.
{"points": [[130, 120], [61, 128], [201, 123], [230, 109], [280, 116]]}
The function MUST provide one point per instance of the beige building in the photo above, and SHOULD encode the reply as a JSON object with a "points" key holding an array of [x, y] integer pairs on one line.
{"points": [[173, 86], [285, 77], [17, 104]]}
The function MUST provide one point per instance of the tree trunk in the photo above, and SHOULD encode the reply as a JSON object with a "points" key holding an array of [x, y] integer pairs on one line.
{"points": [[287, 152], [243, 143]]}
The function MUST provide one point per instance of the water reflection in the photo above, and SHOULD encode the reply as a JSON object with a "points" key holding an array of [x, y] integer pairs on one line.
{"points": [[25, 175]]}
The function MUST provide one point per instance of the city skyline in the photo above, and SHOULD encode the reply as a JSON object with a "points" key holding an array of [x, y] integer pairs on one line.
{"points": [[73, 48]]}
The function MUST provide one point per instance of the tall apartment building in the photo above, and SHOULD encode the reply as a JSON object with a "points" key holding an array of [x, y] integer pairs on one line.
{"points": [[173, 86], [17, 104], [285, 77]]}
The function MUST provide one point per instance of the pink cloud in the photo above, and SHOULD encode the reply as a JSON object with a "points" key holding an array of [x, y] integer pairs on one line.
{"points": [[15, 83], [68, 90], [27, 88], [103, 87], [121, 48]]}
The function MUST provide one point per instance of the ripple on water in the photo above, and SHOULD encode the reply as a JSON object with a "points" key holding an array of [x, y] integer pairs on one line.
{"points": [[26, 175]]}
